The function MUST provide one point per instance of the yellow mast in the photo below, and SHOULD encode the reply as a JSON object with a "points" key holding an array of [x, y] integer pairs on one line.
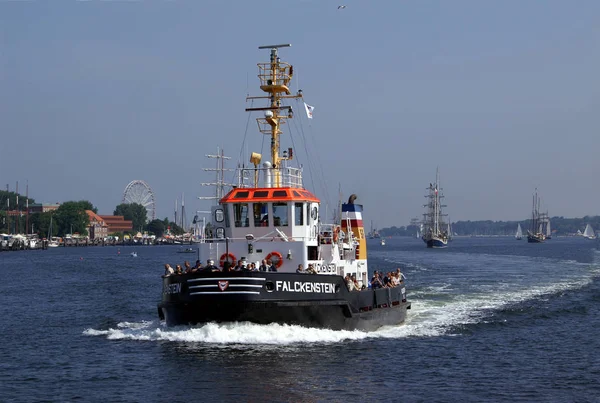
{"points": [[275, 78]]}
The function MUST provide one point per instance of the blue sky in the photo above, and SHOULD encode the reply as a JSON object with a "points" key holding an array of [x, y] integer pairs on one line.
{"points": [[501, 95]]}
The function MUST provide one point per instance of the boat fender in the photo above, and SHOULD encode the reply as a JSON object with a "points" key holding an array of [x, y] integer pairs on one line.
{"points": [[279, 257], [227, 256]]}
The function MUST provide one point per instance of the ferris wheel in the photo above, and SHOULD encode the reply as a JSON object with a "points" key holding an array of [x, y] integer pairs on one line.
{"points": [[139, 192]]}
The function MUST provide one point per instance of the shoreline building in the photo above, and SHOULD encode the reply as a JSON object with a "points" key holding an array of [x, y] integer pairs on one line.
{"points": [[117, 223], [43, 207], [98, 229]]}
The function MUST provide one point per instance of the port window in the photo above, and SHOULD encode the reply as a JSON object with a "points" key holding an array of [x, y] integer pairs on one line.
{"points": [[280, 214], [261, 216], [298, 213], [241, 195], [261, 193], [240, 215], [279, 193], [219, 215]]}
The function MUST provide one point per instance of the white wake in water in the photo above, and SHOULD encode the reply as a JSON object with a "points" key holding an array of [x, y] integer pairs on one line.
{"points": [[427, 318], [232, 333], [439, 308], [436, 309]]}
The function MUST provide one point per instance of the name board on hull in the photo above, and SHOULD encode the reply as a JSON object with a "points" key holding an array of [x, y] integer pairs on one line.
{"points": [[174, 288], [301, 286], [325, 268]]}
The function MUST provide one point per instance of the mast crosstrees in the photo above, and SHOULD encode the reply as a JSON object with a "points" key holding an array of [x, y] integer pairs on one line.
{"points": [[275, 77]]}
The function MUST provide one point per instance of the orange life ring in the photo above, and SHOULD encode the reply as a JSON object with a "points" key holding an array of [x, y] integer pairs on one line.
{"points": [[279, 257], [227, 256]]}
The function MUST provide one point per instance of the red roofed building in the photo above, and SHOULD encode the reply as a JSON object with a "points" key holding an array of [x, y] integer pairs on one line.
{"points": [[117, 223], [97, 228]]}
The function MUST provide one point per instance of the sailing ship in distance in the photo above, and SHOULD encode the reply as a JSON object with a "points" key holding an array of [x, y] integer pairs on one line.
{"points": [[535, 232], [435, 233]]}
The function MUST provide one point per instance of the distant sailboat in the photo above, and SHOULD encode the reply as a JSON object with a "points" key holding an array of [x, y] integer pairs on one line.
{"points": [[374, 233], [545, 225], [52, 243], [519, 234], [434, 235], [534, 233], [589, 232], [548, 230], [420, 231]]}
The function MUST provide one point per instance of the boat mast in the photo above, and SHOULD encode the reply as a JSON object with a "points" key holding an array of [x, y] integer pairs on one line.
{"points": [[533, 224], [17, 217], [220, 170], [436, 204], [275, 78], [7, 209], [27, 209]]}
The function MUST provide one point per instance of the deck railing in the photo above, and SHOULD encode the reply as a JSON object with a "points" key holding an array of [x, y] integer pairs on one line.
{"points": [[257, 177]]}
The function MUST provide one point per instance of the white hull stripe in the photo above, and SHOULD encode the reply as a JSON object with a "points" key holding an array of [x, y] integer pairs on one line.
{"points": [[227, 278], [224, 292], [229, 286]]}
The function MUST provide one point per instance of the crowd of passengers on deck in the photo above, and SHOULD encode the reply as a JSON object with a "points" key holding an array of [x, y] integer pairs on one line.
{"points": [[389, 280], [242, 265]]}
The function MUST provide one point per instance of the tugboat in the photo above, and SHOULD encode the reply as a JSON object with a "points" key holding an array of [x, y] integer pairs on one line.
{"points": [[305, 268]]}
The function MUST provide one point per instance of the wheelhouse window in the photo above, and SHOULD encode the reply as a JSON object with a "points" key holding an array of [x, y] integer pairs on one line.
{"points": [[219, 215], [261, 193], [261, 216], [280, 214], [299, 213], [240, 215], [241, 195]]}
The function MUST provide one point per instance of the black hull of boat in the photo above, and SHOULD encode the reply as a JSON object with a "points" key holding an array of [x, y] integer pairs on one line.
{"points": [[534, 239], [435, 242], [319, 301]]}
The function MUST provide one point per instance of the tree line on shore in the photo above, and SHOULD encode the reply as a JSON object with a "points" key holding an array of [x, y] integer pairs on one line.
{"points": [[70, 218]]}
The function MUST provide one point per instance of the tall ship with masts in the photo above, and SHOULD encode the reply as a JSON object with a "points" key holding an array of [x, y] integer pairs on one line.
{"points": [[270, 257], [435, 232], [535, 233]]}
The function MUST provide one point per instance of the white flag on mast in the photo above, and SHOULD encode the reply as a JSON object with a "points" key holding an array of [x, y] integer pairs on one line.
{"points": [[309, 110]]}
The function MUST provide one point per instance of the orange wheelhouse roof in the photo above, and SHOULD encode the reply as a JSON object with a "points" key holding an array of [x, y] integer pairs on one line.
{"points": [[257, 195]]}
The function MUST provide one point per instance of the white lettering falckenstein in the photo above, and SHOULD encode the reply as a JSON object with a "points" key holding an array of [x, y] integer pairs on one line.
{"points": [[301, 286]]}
